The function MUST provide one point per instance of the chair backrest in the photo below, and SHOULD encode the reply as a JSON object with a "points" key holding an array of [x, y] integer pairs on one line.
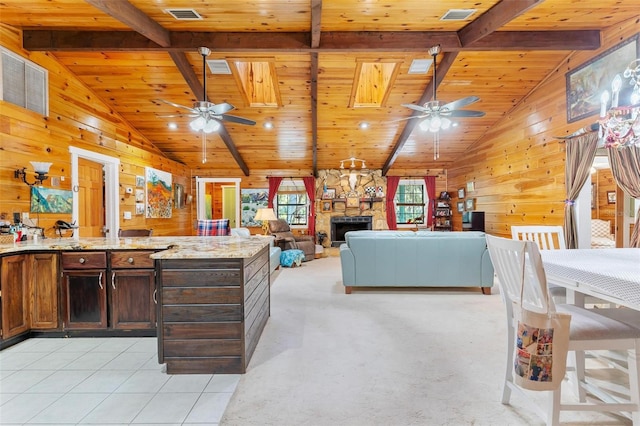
{"points": [[547, 237], [215, 227], [135, 232], [513, 262], [279, 225]]}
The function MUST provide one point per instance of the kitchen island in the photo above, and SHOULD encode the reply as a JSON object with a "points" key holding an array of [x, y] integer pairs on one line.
{"points": [[206, 298]]}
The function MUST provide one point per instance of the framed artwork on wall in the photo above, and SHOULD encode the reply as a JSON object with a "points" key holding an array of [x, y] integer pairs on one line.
{"points": [[584, 83], [468, 204], [460, 206], [461, 193], [326, 206], [611, 197], [252, 200], [329, 193], [178, 195], [139, 181]]}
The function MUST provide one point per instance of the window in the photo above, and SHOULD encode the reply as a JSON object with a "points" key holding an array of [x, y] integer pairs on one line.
{"points": [[292, 203], [410, 202], [23, 83]]}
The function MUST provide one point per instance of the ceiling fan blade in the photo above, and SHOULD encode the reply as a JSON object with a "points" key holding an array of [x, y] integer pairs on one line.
{"points": [[408, 118], [416, 107], [219, 109], [177, 116], [465, 113], [239, 120], [460, 103], [178, 105]]}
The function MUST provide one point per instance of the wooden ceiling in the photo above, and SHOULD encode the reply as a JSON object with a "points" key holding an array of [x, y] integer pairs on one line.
{"points": [[133, 53]]}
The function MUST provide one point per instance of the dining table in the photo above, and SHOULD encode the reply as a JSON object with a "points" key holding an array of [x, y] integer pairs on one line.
{"points": [[612, 275]]}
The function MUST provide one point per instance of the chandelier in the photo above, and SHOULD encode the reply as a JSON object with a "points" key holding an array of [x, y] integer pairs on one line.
{"points": [[620, 125]]}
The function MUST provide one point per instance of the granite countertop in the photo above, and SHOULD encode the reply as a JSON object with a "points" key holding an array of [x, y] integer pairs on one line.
{"points": [[193, 247]]}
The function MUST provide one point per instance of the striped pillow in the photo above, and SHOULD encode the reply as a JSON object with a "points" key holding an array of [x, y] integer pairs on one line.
{"points": [[214, 227]]}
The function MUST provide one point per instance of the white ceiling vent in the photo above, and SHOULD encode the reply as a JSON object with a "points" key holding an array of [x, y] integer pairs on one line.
{"points": [[183, 14], [218, 66], [457, 14], [420, 66]]}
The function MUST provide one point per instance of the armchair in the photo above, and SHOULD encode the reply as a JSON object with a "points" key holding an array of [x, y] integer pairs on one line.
{"points": [[282, 232]]}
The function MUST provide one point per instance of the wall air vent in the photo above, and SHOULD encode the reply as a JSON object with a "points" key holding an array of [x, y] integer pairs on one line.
{"points": [[218, 66], [457, 14], [23, 83], [183, 14]]}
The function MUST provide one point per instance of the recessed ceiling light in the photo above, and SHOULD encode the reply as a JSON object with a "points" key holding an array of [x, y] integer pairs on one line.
{"points": [[364, 125], [172, 126], [268, 125]]}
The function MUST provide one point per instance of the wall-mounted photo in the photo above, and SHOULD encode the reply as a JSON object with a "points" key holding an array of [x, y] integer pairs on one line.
{"points": [[159, 193], [178, 195], [329, 194], [252, 200], [326, 206], [611, 197], [139, 208], [468, 204], [584, 83], [461, 193], [139, 181], [460, 206]]}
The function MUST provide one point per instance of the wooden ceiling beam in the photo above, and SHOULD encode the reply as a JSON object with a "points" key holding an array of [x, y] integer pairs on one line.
{"points": [[316, 12], [337, 41], [493, 19], [226, 138], [135, 19], [443, 67], [181, 61]]}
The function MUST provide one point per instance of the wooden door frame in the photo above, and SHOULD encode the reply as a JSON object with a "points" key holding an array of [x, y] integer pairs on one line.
{"points": [[200, 188], [111, 188]]}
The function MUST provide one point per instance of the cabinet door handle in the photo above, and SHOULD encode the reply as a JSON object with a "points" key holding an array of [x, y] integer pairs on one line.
{"points": [[113, 280], [130, 260], [155, 296], [82, 260], [100, 281]]}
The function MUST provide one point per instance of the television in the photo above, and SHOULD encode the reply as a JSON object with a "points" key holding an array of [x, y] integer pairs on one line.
{"points": [[473, 221]]}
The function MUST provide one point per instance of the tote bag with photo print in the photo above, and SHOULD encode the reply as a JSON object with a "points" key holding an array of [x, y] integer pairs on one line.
{"points": [[542, 339]]}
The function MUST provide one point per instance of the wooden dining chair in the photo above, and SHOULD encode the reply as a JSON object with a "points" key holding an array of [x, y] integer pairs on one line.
{"points": [[122, 233], [590, 331], [547, 237]]}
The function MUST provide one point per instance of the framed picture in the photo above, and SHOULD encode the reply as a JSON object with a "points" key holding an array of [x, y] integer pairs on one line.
{"points": [[329, 194], [468, 204], [353, 202], [611, 197], [594, 196], [139, 181], [139, 208], [584, 83], [139, 195], [461, 193], [471, 186], [460, 206], [326, 206]]}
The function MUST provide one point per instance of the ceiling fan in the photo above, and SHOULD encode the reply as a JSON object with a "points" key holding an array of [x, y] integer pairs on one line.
{"points": [[207, 115], [436, 114]]}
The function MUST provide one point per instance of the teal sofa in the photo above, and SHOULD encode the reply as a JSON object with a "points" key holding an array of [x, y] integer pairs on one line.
{"points": [[415, 259]]}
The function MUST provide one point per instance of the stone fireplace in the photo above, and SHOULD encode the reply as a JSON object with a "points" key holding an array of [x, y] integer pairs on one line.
{"points": [[341, 224]]}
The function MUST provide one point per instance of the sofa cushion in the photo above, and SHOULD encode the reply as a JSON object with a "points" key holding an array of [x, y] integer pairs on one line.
{"points": [[210, 227]]}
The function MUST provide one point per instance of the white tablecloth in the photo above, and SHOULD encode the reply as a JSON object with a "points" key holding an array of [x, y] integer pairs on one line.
{"points": [[613, 274]]}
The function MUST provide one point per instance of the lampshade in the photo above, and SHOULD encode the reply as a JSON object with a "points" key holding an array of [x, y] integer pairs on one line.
{"points": [[41, 167], [265, 215]]}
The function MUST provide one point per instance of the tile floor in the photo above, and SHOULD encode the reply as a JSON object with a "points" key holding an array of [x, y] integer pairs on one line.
{"points": [[115, 381]]}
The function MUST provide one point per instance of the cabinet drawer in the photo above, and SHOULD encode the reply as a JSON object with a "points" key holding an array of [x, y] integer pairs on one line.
{"points": [[84, 260], [131, 259]]}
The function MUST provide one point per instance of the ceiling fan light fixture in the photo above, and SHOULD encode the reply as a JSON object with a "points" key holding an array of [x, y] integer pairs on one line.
{"points": [[198, 124], [211, 126], [445, 123], [425, 124], [435, 124]]}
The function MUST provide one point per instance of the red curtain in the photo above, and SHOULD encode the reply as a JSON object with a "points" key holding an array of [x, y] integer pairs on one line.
{"points": [[392, 187], [274, 184], [430, 181], [310, 186]]}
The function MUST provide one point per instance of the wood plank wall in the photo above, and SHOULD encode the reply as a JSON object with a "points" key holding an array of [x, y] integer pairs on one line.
{"points": [[518, 167], [76, 118]]}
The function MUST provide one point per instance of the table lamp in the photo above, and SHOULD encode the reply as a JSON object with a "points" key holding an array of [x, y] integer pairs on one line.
{"points": [[265, 215]]}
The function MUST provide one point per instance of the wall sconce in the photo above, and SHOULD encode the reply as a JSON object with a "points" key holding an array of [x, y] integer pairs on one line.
{"points": [[39, 167], [265, 215]]}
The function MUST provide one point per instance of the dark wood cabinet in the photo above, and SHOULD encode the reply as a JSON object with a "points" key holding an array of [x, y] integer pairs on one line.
{"points": [[44, 291], [212, 312], [132, 290], [15, 295], [83, 290]]}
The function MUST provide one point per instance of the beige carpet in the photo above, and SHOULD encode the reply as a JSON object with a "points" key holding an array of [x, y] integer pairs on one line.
{"points": [[379, 357]]}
